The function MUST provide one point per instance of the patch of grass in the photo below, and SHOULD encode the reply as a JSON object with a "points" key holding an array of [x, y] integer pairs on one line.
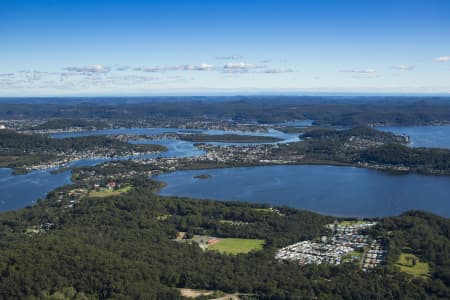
{"points": [[31, 230], [355, 253], [269, 210], [204, 294], [191, 293], [107, 192], [236, 246], [162, 217], [235, 223], [354, 256], [226, 222], [409, 263], [351, 222]]}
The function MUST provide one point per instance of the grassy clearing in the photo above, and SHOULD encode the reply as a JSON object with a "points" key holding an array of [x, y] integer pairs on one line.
{"points": [[236, 246], [206, 294], [32, 230], [354, 256], [191, 293], [163, 217], [269, 210], [107, 192], [351, 223], [230, 222], [226, 222], [409, 263]]}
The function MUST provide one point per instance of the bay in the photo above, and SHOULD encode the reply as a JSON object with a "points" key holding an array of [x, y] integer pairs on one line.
{"points": [[340, 191]]}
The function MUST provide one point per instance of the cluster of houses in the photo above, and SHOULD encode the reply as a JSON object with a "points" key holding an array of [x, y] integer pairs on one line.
{"points": [[246, 154], [224, 125], [361, 142], [111, 185], [145, 137], [41, 228], [350, 234], [241, 153], [336, 249], [203, 241], [72, 197], [375, 256], [309, 252], [63, 159], [46, 226], [92, 176], [19, 124], [213, 153]]}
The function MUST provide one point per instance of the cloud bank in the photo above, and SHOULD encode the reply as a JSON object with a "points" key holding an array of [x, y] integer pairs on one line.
{"points": [[93, 69], [442, 58]]}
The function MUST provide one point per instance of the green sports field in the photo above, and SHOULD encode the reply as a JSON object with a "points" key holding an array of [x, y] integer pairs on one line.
{"points": [[236, 246]]}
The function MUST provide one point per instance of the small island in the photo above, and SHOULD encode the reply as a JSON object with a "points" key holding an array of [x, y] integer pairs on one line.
{"points": [[203, 176], [228, 138]]}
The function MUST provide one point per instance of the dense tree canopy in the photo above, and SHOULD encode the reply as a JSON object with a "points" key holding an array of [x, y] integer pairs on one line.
{"points": [[120, 247], [339, 111]]}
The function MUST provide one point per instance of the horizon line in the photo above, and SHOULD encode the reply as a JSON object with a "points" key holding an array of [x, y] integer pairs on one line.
{"points": [[251, 94]]}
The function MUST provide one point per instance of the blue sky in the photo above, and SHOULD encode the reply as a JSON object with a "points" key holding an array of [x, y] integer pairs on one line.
{"points": [[120, 47]]}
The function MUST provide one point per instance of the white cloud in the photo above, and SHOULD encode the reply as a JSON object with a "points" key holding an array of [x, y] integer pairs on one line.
{"points": [[204, 67], [201, 67], [360, 71], [88, 70], [7, 75], [241, 65], [122, 68], [278, 71], [149, 69], [404, 67], [230, 57], [442, 58], [366, 76]]}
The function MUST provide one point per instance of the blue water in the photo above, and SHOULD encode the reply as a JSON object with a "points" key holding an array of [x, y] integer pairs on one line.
{"points": [[285, 137], [340, 191], [134, 131], [333, 190], [302, 123], [424, 136], [22, 190], [175, 148]]}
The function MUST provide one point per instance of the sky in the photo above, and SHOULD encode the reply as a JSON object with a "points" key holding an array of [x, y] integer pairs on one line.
{"points": [[173, 47]]}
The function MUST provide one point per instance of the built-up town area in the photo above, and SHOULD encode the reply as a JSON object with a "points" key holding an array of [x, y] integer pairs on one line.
{"points": [[249, 154], [345, 244], [245, 154]]}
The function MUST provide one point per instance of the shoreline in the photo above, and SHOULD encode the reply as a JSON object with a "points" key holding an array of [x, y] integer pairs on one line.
{"points": [[230, 166]]}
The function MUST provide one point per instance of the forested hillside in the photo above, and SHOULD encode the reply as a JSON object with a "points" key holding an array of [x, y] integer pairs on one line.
{"points": [[336, 111], [122, 247], [17, 149]]}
